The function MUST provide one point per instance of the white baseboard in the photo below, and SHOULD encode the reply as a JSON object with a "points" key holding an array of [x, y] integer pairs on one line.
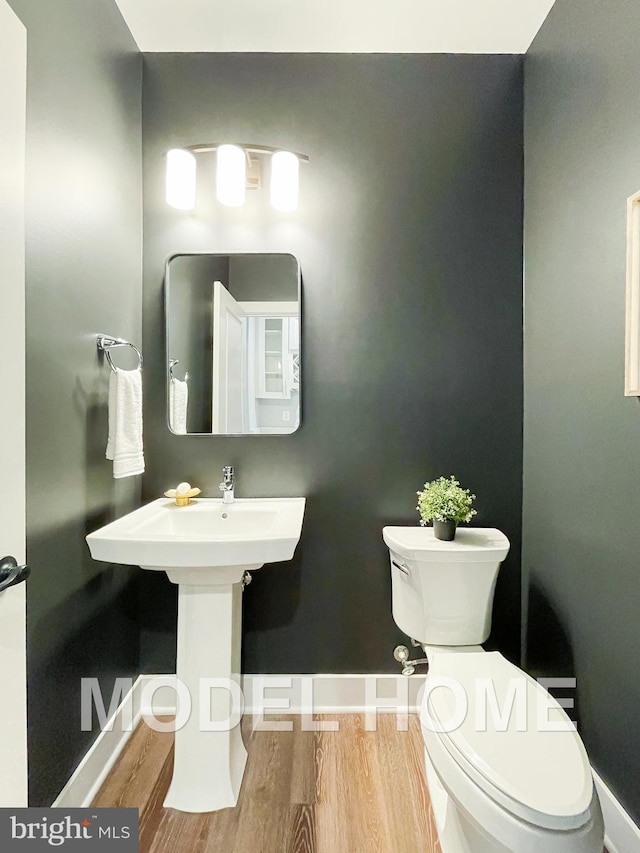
{"points": [[327, 694], [89, 775], [621, 833], [331, 694]]}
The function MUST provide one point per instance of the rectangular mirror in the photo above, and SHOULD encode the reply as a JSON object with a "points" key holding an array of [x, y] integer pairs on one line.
{"points": [[233, 344]]}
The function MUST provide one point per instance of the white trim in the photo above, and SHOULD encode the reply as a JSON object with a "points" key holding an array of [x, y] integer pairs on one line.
{"points": [[632, 310], [621, 833], [336, 693], [332, 694], [270, 309], [13, 673], [87, 778]]}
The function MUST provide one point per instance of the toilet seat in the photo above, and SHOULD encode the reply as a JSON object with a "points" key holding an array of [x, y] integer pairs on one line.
{"points": [[540, 776]]}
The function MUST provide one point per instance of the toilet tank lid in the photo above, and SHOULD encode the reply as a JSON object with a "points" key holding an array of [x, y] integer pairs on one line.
{"points": [[471, 545], [541, 775]]}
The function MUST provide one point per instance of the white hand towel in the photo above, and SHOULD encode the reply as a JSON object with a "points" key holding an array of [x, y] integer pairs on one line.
{"points": [[124, 445], [178, 401]]}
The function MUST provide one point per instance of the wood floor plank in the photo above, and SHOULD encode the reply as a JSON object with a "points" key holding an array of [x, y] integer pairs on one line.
{"points": [[303, 835], [350, 813], [416, 760], [270, 829], [304, 771], [151, 814], [222, 831], [180, 831], [269, 772], [131, 782], [264, 819], [408, 805], [330, 829]]}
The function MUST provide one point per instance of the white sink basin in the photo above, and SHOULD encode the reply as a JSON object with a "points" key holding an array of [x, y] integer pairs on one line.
{"points": [[207, 542]]}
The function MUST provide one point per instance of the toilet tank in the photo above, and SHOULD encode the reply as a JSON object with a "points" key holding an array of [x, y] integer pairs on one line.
{"points": [[442, 592]]}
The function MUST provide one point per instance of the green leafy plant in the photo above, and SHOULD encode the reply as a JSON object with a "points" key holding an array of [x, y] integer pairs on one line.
{"points": [[444, 500]]}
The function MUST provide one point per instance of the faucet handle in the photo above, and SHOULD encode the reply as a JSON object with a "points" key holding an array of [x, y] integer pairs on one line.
{"points": [[227, 479], [227, 484]]}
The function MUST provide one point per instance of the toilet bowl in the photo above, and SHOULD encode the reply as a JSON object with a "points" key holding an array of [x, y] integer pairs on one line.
{"points": [[506, 769]]}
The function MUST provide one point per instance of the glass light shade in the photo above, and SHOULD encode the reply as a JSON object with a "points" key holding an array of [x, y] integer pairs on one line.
{"points": [[231, 175], [285, 168], [181, 179]]}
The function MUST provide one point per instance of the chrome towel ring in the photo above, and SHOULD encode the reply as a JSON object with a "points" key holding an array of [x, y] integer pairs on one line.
{"points": [[172, 364], [107, 342]]}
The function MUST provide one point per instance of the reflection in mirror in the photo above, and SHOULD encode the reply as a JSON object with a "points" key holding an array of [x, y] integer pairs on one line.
{"points": [[233, 344]]}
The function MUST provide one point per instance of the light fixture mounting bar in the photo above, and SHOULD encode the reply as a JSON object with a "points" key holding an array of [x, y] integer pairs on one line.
{"points": [[250, 148]]}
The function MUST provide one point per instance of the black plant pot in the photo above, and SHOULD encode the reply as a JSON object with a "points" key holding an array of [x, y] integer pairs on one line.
{"points": [[445, 530]]}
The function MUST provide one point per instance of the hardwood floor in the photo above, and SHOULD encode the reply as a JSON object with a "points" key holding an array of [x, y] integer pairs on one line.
{"points": [[350, 791]]}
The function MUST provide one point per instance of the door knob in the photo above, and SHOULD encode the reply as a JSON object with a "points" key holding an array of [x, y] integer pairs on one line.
{"points": [[11, 573]]}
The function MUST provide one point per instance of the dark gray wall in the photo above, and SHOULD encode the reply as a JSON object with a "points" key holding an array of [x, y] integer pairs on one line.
{"points": [[581, 461], [83, 277], [409, 236], [255, 278]]}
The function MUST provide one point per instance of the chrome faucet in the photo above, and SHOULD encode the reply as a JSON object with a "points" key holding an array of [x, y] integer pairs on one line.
{"points": [[227, 485]]}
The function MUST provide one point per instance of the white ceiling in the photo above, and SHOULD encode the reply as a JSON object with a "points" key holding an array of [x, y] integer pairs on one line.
{"points": [[340, 26]]}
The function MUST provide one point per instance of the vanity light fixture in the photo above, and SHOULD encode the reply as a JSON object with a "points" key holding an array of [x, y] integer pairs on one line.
{"points": [[181, 179], [231, 175], [285, 168], [238, 168]]}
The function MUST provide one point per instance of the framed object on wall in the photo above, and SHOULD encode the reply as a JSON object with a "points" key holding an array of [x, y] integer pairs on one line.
{"points": [[632, 331]]}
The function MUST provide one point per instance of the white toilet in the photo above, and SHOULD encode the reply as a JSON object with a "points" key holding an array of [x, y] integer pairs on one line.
{"points": [[507, 771]]}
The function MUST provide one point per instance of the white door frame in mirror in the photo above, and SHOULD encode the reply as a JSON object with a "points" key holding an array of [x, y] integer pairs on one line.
{"points": [[269, 309], [632, 331], [13, 666]]}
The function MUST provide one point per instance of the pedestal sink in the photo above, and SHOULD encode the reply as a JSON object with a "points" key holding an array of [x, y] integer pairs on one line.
{"points": [[205, 548]]}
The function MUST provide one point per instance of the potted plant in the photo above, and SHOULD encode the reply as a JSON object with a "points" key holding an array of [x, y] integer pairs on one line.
{"points": [[445, 503]]}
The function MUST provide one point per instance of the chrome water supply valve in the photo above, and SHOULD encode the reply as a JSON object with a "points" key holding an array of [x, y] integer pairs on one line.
{"points": [[401, 654]]}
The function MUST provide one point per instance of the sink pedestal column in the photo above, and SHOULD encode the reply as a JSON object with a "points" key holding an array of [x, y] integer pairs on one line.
{"points": [[209, 765]]}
